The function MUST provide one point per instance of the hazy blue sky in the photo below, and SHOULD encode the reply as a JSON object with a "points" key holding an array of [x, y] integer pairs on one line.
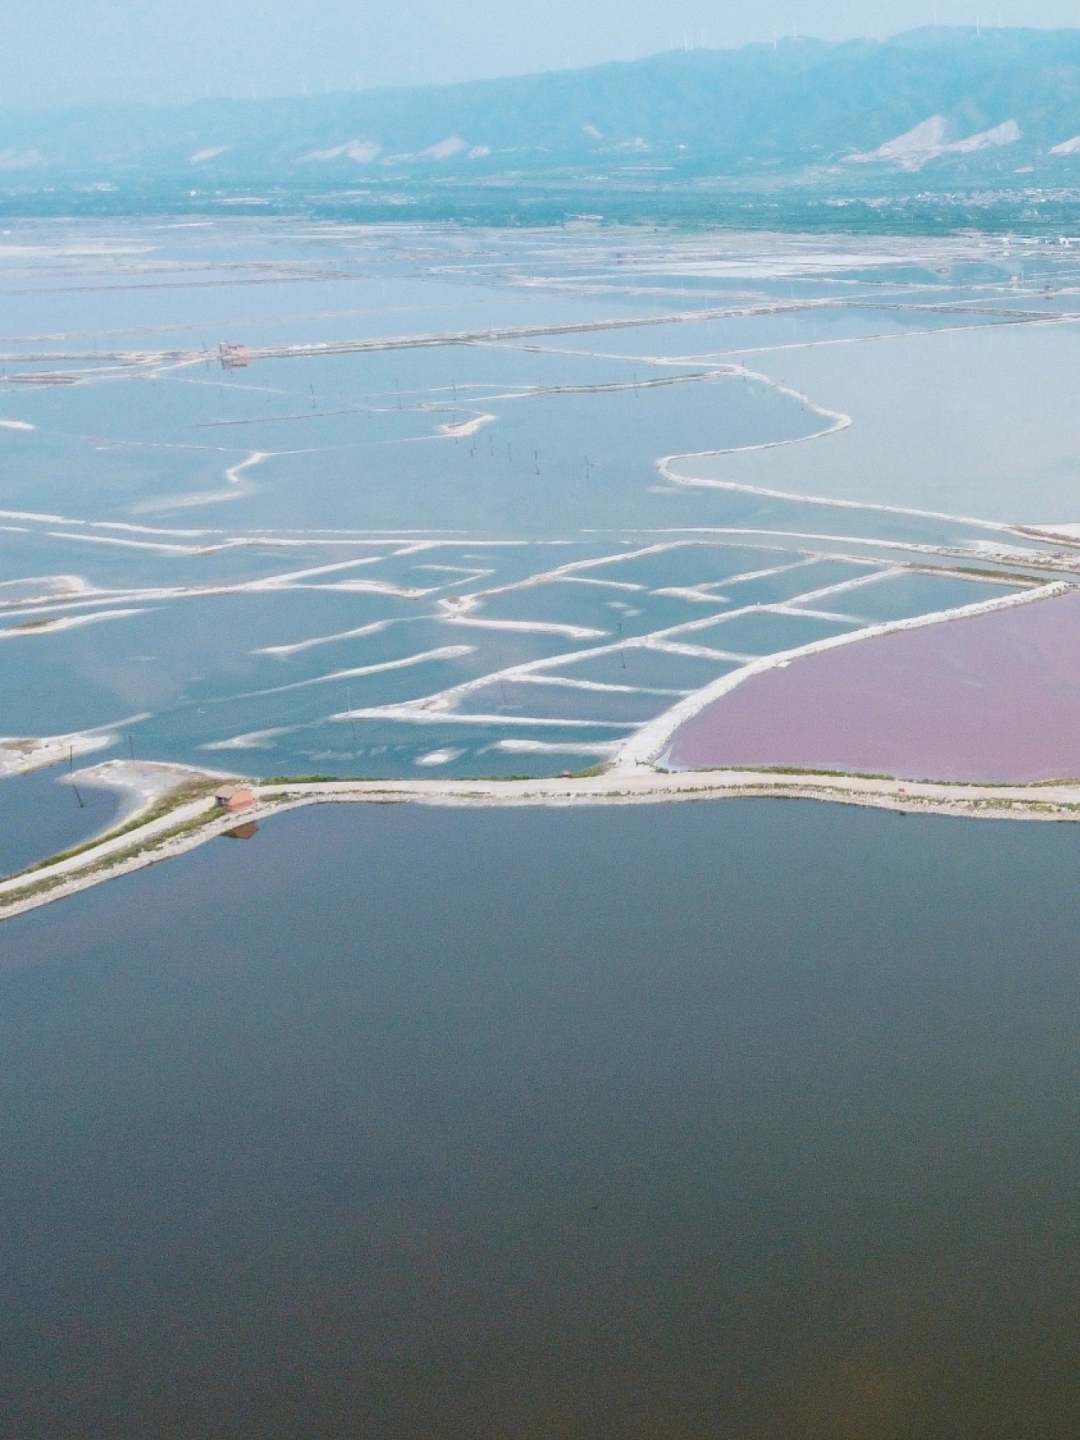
{"points": [[69, 51]]}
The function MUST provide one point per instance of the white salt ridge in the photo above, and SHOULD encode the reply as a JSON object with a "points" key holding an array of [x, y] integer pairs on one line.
{"points": [[149, 529], [415, 713], [700, 652], [1067, 147], [1070, 529], [18, 757], [283, 651], [546, 747], [695, 594], [534, 627], [157, 546], [210, 153], [253, 740], [63, 622], [460, 428], [34, 589], [370, 587], [19, 754], [605, 584], [255, 458]]}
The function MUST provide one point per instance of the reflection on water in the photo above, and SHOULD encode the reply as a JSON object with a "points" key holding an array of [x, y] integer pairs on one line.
{"points": [[243, 832], [744, 1119]]}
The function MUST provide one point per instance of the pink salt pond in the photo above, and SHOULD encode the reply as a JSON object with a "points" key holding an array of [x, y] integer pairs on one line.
{"points": [[990, 697]]}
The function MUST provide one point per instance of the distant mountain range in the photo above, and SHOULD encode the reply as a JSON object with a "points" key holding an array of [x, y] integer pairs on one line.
{"points": [[935, 106]]}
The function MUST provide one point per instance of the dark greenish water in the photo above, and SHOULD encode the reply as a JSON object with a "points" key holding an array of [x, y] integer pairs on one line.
{"points": [[742, 1119]]}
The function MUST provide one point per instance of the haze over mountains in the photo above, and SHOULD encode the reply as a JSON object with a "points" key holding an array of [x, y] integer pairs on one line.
{"points": [[932, 107]]}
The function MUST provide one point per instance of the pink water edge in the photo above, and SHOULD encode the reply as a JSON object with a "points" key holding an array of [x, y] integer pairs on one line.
{"points": [[990, 697]]}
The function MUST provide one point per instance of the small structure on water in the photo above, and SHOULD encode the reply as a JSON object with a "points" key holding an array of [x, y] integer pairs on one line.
{"points": [[235, 797], [233, 357], [242, 832]]}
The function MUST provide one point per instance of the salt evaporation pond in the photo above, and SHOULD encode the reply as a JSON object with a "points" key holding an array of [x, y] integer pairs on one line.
{"points": [[406, 522], [989, 697]]}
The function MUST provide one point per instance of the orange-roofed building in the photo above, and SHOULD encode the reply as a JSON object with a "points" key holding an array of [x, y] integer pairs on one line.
{"points": [[235, 797]]}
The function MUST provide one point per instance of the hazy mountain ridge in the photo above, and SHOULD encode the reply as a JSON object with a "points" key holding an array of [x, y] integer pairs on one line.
{"points": [[950, 105]]}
